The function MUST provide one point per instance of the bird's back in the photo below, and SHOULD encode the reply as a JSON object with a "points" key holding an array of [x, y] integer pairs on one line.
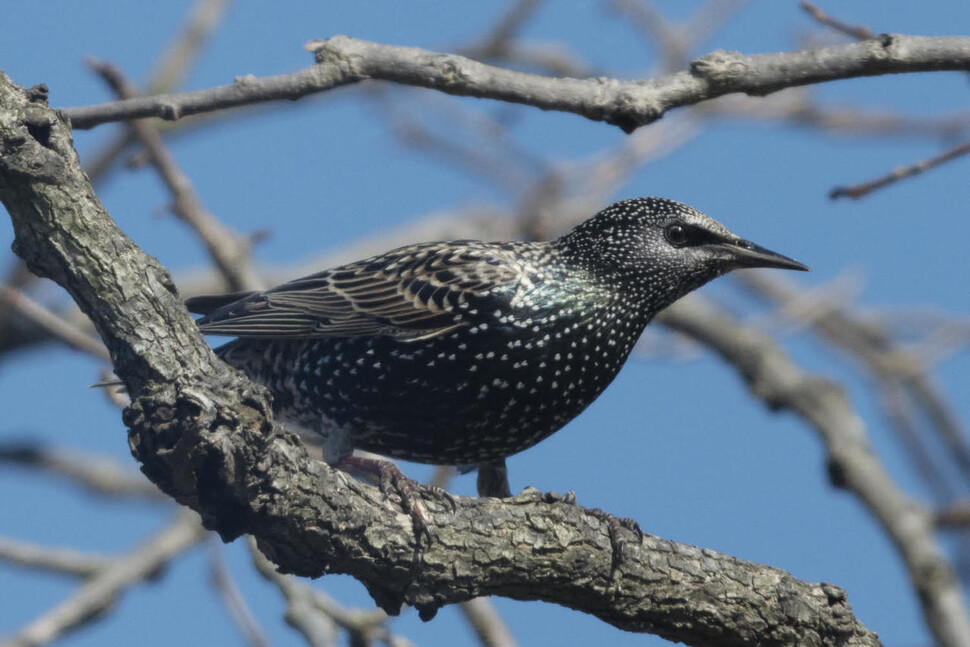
{"points": [[463, 351], [461, 354]]}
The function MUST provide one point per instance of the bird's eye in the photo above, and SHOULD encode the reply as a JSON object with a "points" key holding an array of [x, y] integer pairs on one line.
{"points": [[676, 235]]}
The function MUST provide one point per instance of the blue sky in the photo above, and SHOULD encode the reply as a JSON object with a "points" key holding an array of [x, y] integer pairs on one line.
{"points": [[678, 445]]}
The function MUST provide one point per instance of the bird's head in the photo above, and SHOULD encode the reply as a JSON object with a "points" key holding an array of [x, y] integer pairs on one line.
{"points": [[658, 242]]}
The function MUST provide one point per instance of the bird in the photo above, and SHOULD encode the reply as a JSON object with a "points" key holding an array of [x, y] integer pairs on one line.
{"points": [[467, 352]]}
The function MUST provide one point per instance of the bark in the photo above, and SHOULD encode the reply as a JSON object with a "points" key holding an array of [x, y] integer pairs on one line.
{"points": [[204, 434]]}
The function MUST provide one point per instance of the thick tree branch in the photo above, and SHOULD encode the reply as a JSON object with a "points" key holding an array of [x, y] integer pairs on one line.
{"points": [[204, 434], [628, 104]]}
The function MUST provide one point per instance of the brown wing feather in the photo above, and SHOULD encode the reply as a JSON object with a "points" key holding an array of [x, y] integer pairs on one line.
{"points": [[409, 293]]}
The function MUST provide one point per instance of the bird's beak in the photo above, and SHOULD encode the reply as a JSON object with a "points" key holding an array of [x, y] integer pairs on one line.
{"points": [[744, 253]]}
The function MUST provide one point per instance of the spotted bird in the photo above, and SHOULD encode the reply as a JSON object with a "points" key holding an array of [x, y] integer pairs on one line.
{"points": [[467, 352]]}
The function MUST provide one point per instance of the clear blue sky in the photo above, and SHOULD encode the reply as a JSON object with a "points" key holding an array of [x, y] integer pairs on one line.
{"points": [[680, 446]]}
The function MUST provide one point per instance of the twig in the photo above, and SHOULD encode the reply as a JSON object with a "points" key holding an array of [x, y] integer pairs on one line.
{"points": [[798, 106], [710, 18], [675, 41], [114, 394], [900, 412], [856, 191], [496, 43], [58, 328], [652, 25], [487, 623], [229, 251], [314, 614], [100, 475], [175, 64], [500, 44], [853, 465], [64, 561], [179, 56], [954, 516], [232, 597], [859, 32], [99, 594], [627, 104], [883, 358]]}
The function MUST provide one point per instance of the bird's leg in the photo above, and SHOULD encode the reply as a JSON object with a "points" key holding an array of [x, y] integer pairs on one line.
{"points": [[493, 479], [390, 477], [613, 524]]}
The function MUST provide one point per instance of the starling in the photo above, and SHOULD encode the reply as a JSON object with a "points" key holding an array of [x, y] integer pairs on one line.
{"points": [[466, 352]]}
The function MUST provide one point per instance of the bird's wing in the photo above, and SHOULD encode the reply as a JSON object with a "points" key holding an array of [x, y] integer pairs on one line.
{"points": [[410, 293]]}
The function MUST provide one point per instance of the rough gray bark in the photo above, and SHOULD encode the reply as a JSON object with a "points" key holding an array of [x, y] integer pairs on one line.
{"points": [[627, 104], [205, 435]]}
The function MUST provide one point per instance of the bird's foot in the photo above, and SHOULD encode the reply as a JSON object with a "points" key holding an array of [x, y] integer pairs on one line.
{"points": [[390, 478], [613, 524]]}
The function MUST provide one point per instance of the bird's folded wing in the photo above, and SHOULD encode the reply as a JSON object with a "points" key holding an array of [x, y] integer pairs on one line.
{"points": [[410, 293]]}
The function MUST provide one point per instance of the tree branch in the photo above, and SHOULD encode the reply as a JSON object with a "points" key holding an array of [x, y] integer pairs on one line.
{"points": [[100, 475], [204, 435], [229, 251], [17, 301], [102, 590], [628, 104], [773, 378], [857, 191], [63, 561], [861, 32]]}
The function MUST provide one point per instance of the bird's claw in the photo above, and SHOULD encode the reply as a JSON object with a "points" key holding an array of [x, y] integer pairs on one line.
{"points": [[569, 498], [445, 495], [613, 524], [390, 478]]}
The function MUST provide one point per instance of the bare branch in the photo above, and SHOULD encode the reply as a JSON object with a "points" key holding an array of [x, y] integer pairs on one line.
{"points": [[64, 561], [956, 515], [670, 40], [59, 328], [99, 594], [883, 357], [232, 597], [853, 465], [100, 475], [175, 64], [859, 32], [503, 33], [799, 107], [314, 614], [487, 623], [627, 104], [228, 251], [863, 189], [184, 50]]}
